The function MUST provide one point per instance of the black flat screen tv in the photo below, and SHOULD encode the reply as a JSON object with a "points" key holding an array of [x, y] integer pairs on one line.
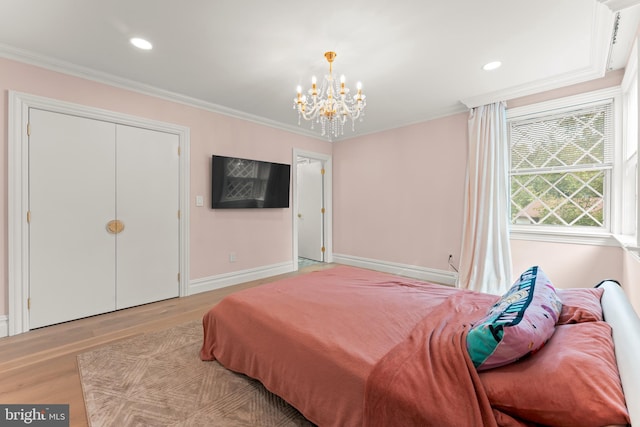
{"points": [[238, 183]]}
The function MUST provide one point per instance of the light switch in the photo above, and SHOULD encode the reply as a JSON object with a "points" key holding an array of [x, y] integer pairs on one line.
{"points": [[199, 201]]}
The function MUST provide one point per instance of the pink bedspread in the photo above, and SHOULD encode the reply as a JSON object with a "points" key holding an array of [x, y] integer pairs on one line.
{"points": [[317, 349], [429, 378]]}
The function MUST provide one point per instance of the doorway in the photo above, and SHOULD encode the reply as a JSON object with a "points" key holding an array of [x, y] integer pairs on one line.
{"points": [[311, 208]]}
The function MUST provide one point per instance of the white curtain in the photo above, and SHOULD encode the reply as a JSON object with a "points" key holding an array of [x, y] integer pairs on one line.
{"points": [[485, 258]]}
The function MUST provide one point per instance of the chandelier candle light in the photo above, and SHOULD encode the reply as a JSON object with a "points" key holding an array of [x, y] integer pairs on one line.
{"points": [[331, 105]]}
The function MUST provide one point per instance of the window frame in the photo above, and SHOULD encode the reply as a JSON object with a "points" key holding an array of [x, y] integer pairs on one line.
{"points": [[629, 236], [576, 234]]}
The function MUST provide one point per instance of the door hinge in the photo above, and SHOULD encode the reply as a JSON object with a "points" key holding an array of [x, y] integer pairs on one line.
{"points": [[28, 303], [322, 249], [178, 277], [178, 150], [322, 211], [178, 213], [28, 217], [28, 129], [322, 171]]}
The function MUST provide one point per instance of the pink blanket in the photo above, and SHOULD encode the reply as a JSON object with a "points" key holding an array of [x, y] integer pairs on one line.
{"points": [[429, 378], [313, 339]]}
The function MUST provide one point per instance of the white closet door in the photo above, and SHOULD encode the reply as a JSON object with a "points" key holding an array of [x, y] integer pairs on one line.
{"points": [[147, 204], [71, 194]]}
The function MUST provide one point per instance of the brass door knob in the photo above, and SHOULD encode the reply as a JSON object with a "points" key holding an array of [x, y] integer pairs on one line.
{"points": [[115, 226]]}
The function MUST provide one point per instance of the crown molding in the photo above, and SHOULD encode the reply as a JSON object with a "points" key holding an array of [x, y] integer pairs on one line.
{"points": [[68, 68]]}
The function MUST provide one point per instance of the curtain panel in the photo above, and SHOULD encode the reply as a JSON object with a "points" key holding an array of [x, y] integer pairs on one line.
{"points": [[485, 258]]}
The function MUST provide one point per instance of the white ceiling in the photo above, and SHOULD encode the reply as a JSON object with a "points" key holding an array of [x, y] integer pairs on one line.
{"points": [[417, 59]]}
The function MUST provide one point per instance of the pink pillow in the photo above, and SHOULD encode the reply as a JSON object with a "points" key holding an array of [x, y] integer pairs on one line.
{"points": [[580, 305], [572, 381]]}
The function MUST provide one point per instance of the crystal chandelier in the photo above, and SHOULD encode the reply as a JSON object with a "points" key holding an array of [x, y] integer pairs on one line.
{"points": [[331, 105]]}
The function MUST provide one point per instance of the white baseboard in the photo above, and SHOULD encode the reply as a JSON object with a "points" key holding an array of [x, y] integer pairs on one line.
{"points": [[229, 279], [4, 326], [427, 274]]}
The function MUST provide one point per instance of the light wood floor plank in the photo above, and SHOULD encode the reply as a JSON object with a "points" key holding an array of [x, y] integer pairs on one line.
{"points": [[39, 367]]}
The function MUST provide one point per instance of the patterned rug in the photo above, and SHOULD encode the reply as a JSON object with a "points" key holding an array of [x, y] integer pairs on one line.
{"points": [[159, 380]]}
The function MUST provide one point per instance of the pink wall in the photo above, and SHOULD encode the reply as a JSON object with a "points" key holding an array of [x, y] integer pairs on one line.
{"points": [[213, 234], [398, 195], [568, 265]]}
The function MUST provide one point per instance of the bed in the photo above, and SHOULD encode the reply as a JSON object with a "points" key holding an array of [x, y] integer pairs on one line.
{"points": [[354, 347]]}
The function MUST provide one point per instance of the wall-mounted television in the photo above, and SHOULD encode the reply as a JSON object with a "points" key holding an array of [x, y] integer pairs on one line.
{"points": [[238, 183]]}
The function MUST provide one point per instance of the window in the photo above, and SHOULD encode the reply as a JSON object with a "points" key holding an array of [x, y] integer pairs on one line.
{"points": [[562, 165]]}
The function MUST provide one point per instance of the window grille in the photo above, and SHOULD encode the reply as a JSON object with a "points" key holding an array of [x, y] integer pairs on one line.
{"points": [[561, 167]]}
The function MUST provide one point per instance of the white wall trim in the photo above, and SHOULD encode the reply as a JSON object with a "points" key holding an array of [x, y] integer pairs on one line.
{"points": [[570, 239], [422, 273], [68, 68], [4, 326], [18, 181], [565, 103], [218, 281], [631, 69]]}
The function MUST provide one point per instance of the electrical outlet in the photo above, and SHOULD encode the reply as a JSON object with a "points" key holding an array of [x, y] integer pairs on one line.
{"points": [[232, 257]]}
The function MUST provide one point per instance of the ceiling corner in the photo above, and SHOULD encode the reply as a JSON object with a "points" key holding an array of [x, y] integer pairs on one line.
{"points": [[617, 5], [601, 43]]}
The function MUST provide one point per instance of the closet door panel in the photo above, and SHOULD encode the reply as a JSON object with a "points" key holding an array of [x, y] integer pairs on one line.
{"points": [[71, 199], [147, 203]]}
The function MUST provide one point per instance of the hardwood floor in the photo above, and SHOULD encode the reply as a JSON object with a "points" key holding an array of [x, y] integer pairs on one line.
{"points": [[39, 367]]}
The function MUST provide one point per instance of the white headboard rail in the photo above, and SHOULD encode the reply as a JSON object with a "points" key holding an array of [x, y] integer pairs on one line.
{"points": [[625, 323]]}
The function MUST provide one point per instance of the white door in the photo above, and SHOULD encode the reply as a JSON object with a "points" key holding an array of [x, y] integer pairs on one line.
{"points": [[84, 173], [147, 204], [310, 204], [71, 199]]}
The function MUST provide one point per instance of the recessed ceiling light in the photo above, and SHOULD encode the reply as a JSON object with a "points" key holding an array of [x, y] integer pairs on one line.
{"points": [[141, 43], [491, 65]]}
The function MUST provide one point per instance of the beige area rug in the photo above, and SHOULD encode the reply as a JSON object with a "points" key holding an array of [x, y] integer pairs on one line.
{"points": [[159, 380]]}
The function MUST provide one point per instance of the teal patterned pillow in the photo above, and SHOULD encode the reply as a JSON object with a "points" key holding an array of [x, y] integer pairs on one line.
{"points": [[518, 324]]}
